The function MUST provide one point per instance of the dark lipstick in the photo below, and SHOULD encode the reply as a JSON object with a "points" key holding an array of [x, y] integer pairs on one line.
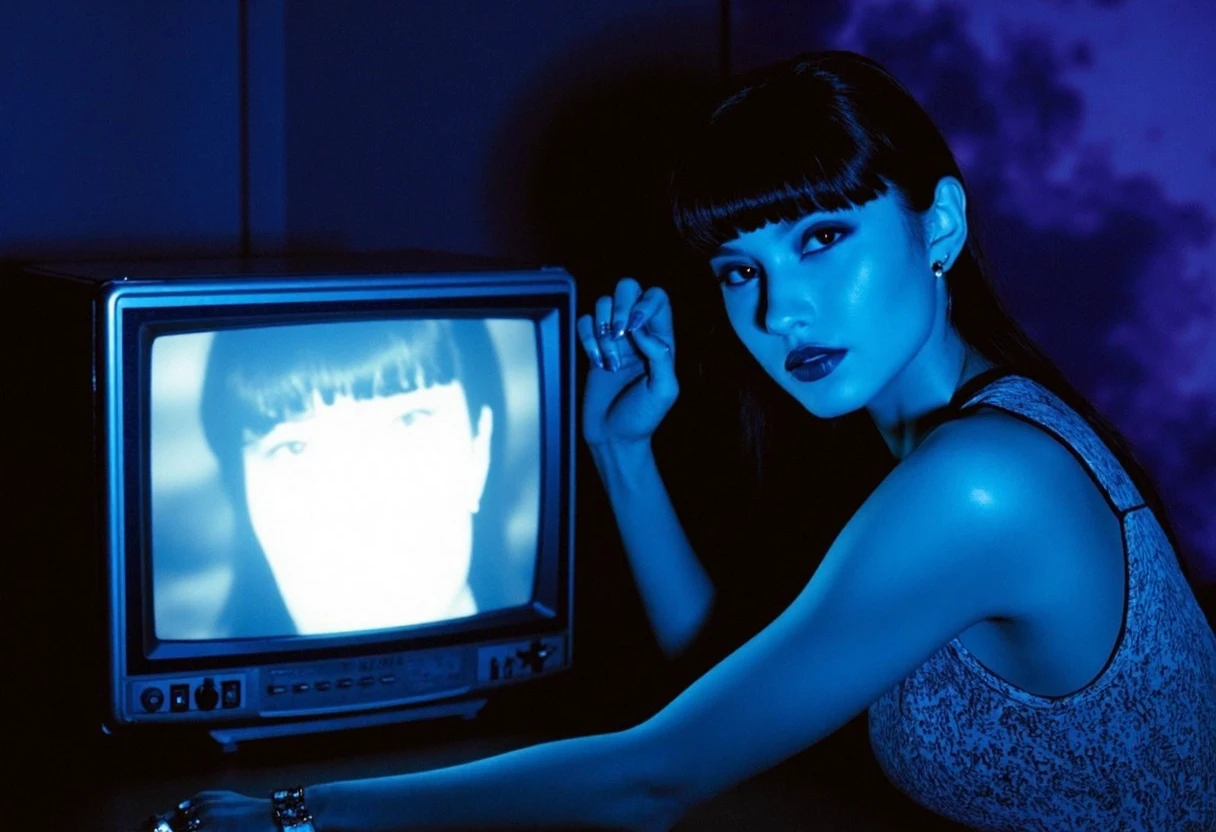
{"points": [[812, 363]]}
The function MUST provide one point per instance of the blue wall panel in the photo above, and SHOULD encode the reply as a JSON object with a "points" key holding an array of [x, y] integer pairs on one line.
{"points": [[119, 129]]}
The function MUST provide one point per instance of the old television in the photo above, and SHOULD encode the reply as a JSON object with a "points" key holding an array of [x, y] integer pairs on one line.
{"points": [[288, 496]]}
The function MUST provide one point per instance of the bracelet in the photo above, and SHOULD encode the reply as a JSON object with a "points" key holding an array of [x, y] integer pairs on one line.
{"points": [[290, 813]]}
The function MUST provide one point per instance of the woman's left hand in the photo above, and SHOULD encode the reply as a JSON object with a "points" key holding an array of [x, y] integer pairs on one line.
{"points": [[217, 811]]}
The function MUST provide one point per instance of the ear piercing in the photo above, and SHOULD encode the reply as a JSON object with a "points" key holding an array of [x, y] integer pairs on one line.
{"points": [[939, 268]]}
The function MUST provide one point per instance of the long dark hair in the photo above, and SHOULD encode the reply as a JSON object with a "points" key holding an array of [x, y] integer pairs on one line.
{"points": [[827, 131]]}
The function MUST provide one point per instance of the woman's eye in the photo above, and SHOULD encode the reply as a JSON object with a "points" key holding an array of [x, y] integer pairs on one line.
{"points": [[820, 238], [737, 275], [413, 417], [282, 449]]}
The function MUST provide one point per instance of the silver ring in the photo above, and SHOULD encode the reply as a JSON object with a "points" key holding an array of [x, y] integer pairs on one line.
{"points": [[194, 824], [604, 330]]}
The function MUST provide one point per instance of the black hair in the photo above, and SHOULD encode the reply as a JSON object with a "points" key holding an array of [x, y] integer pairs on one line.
{"points": [[828, 131], [257, 377]]}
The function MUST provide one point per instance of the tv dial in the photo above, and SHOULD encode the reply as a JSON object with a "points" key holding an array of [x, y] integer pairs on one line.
{"points": [[206, 697], [152, 699]]}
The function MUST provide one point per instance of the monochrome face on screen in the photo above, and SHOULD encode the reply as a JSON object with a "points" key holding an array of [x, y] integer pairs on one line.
{"points": [[326, 477], [364, 507]]}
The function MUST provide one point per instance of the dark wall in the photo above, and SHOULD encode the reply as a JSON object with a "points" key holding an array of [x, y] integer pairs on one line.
{"points": [[120, 130], [260, 125]]}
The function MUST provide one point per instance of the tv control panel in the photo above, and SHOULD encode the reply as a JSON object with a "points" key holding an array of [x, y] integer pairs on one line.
{"points": [[340, 685]]}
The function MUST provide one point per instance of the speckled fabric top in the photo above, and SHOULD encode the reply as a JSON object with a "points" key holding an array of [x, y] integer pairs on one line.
{"points": [[1135, 749]]}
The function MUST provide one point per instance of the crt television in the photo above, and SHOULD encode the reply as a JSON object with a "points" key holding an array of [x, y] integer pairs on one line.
{"points": [[304, 495]]}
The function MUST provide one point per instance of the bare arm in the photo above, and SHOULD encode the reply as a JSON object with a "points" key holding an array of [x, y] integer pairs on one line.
{"points": [[603, 782], [676, 591], [630, 388], [948, 540]]}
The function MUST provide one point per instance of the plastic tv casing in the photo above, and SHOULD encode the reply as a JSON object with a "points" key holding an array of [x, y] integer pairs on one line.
{"points": [[98, 320]]}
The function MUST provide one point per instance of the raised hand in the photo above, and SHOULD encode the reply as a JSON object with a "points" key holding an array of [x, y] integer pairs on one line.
{"points": [[631, 346]]}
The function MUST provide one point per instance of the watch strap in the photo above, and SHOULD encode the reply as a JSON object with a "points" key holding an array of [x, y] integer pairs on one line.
{"points": [[289, 810]]}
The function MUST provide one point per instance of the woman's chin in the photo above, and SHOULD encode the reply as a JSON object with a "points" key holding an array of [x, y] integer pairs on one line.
{"points": [[825, 406]]}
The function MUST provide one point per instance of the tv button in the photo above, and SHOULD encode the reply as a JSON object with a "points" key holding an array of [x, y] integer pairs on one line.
{"points": [[300, 687], [275, 690], [387, 679], [323, 686], [179, 698], [367, 681], [345, 683], [230, 694]]}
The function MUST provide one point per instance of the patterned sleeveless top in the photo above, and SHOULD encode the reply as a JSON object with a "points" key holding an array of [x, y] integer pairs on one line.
{"points": [[1134, 749]]}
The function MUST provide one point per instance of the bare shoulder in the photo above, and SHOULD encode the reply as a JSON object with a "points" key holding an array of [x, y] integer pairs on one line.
{"points": [[975, 510], [1044, 517], [1000, 450]]}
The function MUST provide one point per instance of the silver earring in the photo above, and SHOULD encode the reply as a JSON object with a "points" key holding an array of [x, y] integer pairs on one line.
{"points": [[939, 268]]}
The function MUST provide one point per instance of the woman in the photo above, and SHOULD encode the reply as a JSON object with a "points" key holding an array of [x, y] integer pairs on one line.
{"points": [[369, 438], [1005, 602]]}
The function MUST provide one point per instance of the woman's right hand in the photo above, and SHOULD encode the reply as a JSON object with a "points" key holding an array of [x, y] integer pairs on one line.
{"points": [[632, 382]]}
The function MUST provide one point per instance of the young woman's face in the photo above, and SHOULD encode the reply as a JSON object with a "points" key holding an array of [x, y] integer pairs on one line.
{"points": [[364, 508], [856, 281]]}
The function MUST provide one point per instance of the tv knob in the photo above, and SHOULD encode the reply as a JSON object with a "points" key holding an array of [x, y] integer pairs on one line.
{"points": [[152, 699], [206, 696]]}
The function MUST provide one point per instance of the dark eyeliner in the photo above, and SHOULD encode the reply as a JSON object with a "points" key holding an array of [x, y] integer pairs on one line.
{"points": [[840, 231], [724, 275]]}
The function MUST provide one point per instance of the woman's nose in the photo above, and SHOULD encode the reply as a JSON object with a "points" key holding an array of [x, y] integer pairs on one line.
{"points": [[788, 305]]}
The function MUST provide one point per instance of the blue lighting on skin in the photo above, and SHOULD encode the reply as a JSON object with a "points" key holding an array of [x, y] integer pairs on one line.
{"points": [[858, 280]]}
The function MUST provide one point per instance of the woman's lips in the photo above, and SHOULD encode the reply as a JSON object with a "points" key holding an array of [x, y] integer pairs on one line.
{"points": [[812, 363]]}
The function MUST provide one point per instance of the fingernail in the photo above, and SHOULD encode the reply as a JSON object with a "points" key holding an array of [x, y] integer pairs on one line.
{"points": [[635, 320], [614, 362]]}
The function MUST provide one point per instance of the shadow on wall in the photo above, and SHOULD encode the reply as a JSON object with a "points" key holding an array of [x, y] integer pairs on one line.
{"points": [[578, 171], [577, 177]]}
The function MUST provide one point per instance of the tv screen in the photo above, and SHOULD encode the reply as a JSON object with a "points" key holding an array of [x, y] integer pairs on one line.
{"points": [[326, 478]]}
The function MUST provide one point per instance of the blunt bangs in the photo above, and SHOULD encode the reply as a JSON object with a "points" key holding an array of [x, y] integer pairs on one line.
{"points": [[809, 135], [274, 374], [742, 179]]}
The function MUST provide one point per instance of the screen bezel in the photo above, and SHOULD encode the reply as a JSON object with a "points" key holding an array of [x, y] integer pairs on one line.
{"points": [[138, 313]]}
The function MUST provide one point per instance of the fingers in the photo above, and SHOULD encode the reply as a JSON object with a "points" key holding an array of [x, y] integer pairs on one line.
{"points": [[653, 311], [626, 296], [628, 312], [660, 356], [584, 328], [605, 333]]}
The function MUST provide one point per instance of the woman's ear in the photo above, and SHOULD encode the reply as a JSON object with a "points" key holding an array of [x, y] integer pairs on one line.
{"points": [[946, 222]]}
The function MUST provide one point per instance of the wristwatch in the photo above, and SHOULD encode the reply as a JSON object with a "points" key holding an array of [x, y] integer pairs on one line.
{"points": [[290, 813]]}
